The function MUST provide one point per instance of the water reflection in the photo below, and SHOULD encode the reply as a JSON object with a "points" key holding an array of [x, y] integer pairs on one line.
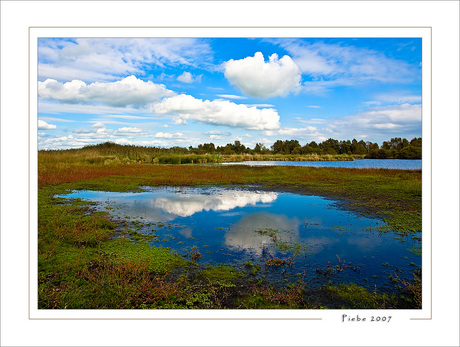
{"points": [[223, 223], [168, 204], [185, 205], [244, 233]]}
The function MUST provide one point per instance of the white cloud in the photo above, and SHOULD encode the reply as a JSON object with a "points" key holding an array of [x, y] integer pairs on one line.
{"points": [[311, 120], [217, 134], [187, 77], [293, 132], [217, 112], [98, 125], [128, 91], [254, 77], [297, 131], [83, 131], [42, 125], [123, 141], [129, 131], [384, 121], [229, 96], [103, 59], [261, 105], [97, 131], [396, 98], [65, 142], [338, 64], [168, 135], [386, 126], [179, 120]]}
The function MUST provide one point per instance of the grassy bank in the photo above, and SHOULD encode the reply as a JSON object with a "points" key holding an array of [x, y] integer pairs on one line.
{"points": [[82, 264], [143, 155], [392, 194]]}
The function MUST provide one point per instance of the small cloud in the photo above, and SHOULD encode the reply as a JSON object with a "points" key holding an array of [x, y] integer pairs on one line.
{"points": [[235, 97], [83, 131], [295, 132], [310, 120], [98, 125], [129, 131], [261, 105], [42, 125], [168, 135], [179, 121], [386, 126], [187, 77], [217, 134], [372, 103], [396, 99], [312, 106]]}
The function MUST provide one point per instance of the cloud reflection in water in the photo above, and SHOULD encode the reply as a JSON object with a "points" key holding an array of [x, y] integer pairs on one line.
{"points": [[243, 233], [186, 204]]}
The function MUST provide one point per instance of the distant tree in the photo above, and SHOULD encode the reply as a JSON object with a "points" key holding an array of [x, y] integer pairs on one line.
{"points": [[416, 142], [206, 148], [308, 149], [345, 147], [410, 152], [330, 146], [286, 147], [238, 148], [278, 147], [259, 148], [371, 147]]}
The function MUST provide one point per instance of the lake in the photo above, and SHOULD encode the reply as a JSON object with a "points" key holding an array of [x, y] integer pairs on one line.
{"points": [[274, 235], [400, 164]]}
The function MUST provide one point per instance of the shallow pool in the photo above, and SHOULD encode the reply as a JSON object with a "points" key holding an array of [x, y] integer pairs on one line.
{"points": [[279, 236]]}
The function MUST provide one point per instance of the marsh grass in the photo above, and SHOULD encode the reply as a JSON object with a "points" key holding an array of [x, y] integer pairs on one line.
{"points": [[391, 194], [80, 265], [352, 296]]}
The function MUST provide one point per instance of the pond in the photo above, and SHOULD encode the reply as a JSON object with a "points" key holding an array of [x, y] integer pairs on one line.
{"points": [[274, 235], [400, 164]]}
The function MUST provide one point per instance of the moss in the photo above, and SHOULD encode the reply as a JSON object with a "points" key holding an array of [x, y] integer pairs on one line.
{"points": [[157, 259], [220, 274], [354, 296]]}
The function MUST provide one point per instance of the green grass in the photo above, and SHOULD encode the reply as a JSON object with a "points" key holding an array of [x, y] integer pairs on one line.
{"points": [[352, 296], [80, 265], [394, 195], [220, 274]]}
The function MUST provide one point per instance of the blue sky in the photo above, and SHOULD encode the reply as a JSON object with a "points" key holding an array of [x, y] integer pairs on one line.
{"points": [[186, 91]]}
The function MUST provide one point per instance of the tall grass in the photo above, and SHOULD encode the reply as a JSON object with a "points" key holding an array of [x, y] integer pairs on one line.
{"points": [[115, 154]]}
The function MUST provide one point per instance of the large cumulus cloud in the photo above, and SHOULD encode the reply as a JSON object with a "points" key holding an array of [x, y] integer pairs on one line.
{"points": [[257, 78], [128, 91], [218, 112]]}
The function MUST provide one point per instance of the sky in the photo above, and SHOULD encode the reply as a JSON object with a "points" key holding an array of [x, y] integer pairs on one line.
{"points": [[167, 92]]}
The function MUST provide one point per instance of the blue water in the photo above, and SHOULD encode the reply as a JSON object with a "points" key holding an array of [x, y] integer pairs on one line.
{"points": [[400, 164], [233, 226]]}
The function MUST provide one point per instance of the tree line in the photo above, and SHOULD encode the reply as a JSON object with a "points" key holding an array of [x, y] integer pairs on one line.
{"points": [[396, 148]]}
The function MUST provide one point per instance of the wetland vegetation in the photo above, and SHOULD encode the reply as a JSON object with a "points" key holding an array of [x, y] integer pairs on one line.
{"points": [[95, 254]]}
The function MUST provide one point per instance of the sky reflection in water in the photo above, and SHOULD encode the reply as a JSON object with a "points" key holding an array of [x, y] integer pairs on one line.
{"points": [[234, 226]]}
